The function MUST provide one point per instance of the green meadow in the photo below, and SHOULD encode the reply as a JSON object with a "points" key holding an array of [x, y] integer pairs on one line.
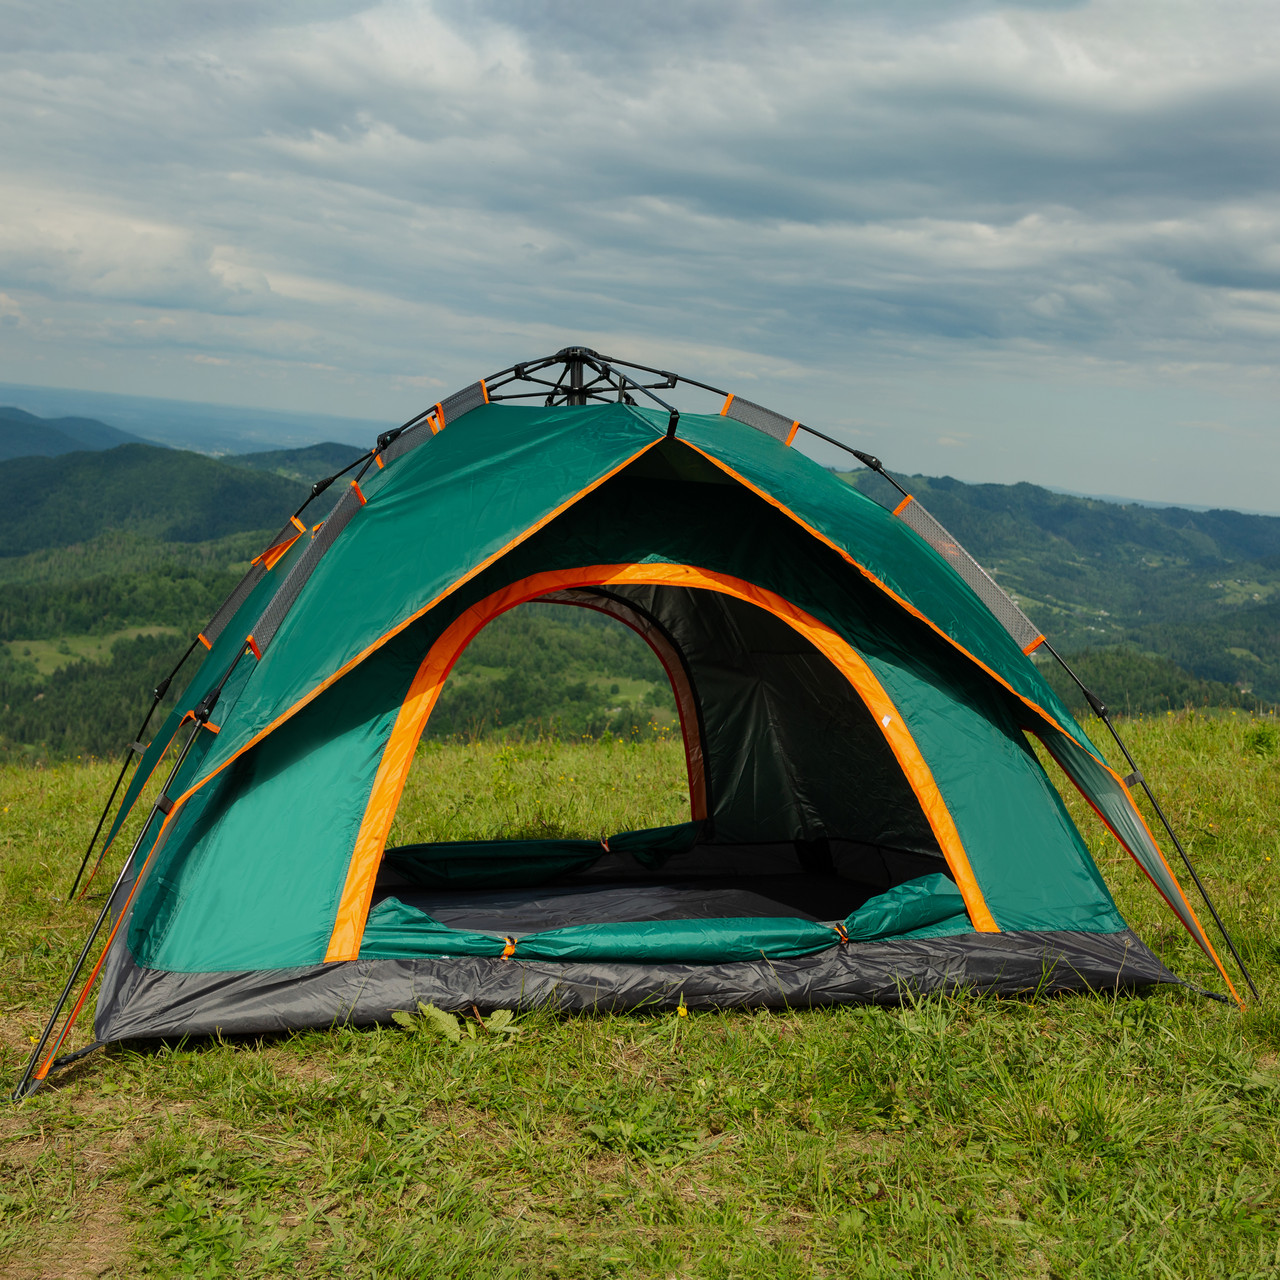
{"points": [[1086, 1136]]}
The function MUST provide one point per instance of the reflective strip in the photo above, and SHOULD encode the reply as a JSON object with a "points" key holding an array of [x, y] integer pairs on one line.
{"points": [[355, 484], [898, 510], [791, 435], [204, 640], [397, 756], [1034, 645], [728, 400]]}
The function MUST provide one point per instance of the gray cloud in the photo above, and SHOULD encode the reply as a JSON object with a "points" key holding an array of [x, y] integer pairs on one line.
{"points": [[339, 204]]}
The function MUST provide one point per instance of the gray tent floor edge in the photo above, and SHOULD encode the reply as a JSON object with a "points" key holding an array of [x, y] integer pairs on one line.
{"points": [[137, 1003]]}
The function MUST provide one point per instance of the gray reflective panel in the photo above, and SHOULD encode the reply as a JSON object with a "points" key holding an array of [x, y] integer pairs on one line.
{"points": [[273, 615], [461, 402], [756, 415], [1010, 617], [229, 607]]}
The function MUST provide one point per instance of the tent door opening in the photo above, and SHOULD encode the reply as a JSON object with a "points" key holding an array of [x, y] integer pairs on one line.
{"points": [[800, 816]]}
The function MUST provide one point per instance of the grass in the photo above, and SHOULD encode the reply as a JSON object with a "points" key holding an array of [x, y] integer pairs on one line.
{"points": [[50, 655], [1083, 1136]]}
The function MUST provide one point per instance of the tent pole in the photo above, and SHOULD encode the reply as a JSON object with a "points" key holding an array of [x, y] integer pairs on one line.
{"points": [[132, 753], [24, 1087], [27, 1085], [1100, 709]]}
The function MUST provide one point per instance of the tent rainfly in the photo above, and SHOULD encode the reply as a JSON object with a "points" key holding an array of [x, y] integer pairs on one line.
{"points": [[857, 700]]}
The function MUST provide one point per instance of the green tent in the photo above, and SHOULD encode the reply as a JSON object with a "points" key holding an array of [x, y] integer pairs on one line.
{"points": [[867, 814]]}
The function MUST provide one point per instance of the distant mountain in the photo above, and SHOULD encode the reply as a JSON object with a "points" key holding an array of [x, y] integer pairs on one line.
{"points": [[23, 435], [307, 465], [1199, 587], [207, 428], [168, 494]]}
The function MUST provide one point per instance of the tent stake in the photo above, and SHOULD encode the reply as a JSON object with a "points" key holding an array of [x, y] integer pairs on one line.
{"points": [[1100, 709]]}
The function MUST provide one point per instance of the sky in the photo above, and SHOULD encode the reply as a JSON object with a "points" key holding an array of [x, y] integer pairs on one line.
{"points": [[1018, 242]]}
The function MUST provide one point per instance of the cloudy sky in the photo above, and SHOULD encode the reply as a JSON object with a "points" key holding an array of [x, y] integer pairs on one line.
{"points": [[1030, 241]]}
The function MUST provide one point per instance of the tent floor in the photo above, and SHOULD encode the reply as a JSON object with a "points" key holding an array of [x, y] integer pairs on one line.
{"points": [[530, 910]]}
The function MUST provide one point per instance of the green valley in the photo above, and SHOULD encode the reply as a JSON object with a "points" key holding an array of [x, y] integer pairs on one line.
{"points": [[111, 560]]}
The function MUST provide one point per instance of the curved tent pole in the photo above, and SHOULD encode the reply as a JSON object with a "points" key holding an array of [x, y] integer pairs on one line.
{"points": [[33, 1077], [135, 750], [1100, 710]]}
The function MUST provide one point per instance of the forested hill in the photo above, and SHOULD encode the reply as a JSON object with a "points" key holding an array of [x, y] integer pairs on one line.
{"points": [[307, 464], [110, 561], [167, 494], [24, 435], [1201, 588]]}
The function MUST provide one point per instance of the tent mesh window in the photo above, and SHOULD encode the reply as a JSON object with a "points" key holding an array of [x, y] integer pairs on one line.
{"points": [[756, 415], [273, 615], [1010, 617]]}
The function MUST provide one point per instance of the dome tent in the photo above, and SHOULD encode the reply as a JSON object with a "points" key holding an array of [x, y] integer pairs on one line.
{"points": [[867, 815]]}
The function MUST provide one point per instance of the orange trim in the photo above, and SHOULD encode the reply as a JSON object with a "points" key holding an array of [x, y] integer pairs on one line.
{"points": [[510, 948], [253, 645], [274, 553], [677, 677], [791, 435], [289, 712], [204, 640], [893, 595], [728, 400], [1201, 939], [301, 528], [433, 424], [439, 417], [397, 757], [355, 484], [377, 457], [901, 507], [484, 391], [1029, 649]]}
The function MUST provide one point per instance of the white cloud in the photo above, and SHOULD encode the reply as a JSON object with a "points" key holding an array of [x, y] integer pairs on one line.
{"points": [[337, 204]]}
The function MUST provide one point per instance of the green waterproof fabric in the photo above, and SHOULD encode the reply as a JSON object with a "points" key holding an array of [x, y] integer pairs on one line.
{"points": [[254, 864], [930, 906], [930, 903], [432, 516], [209, 671], [252, 873], [879, 542], [242, 870]]}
